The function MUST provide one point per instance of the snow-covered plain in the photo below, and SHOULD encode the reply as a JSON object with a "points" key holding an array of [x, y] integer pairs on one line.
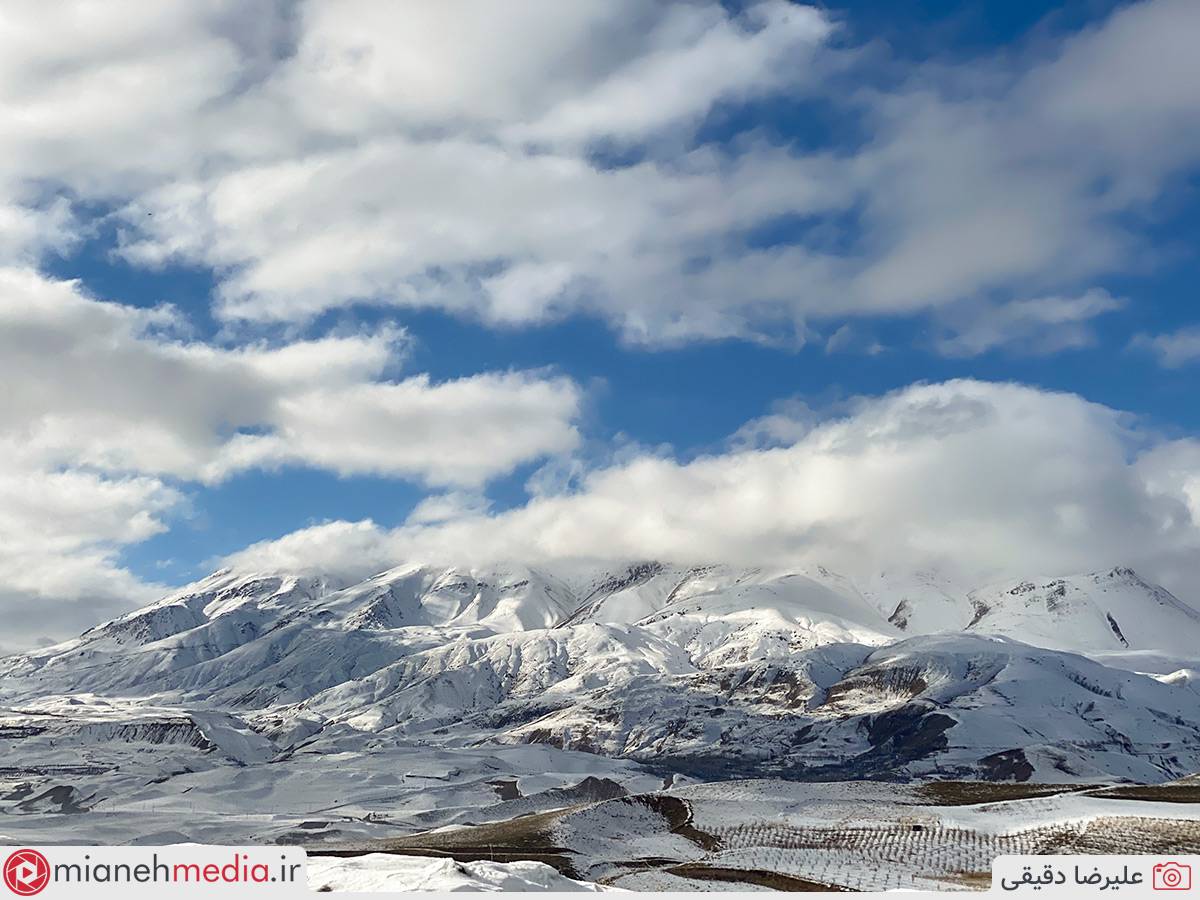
{"points": [[280, 707]]}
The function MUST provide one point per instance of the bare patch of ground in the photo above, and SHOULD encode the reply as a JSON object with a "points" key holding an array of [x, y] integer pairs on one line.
{"points": [[1175, 792], [970, 793]]}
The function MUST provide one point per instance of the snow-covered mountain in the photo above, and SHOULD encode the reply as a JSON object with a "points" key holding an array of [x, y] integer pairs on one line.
{"points": [[710, 671], [252, 640], [918, 602], [1101, 613]]}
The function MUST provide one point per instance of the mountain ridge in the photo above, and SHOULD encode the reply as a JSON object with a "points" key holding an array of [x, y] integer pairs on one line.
{"points": [[500, 597]]}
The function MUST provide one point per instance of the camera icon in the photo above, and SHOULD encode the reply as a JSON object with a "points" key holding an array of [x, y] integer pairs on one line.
{"points": [[1172, 876]]}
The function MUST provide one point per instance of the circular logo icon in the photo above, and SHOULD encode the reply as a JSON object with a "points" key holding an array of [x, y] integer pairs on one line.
{"points": [[26, 872]]}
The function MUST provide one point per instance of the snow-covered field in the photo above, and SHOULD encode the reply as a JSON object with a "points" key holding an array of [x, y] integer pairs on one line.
{"points": [[275, 707], [865, 836], [387, 872]]}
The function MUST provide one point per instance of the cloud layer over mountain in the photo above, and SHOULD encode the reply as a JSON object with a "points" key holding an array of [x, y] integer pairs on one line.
{"points": [[979, 480]]}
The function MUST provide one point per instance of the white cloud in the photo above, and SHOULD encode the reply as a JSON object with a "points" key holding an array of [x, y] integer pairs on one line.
{"points": [[91, 383], [68, 511], [348, 550], [109, 98], [60, 536], [694, 58], [364, 66], [1172, 470], [28, 233], [982, 480], [436, 156], [538, 70], [444, 507], [483, 230], [1018, 174], [1042, 326], [459, 432], [788, 422], [1174, 348]]}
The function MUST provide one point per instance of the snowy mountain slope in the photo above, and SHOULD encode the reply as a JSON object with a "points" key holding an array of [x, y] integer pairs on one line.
{"points": [[625, 594], [963, 706], [441, 685], [258, 639], [711, 670], [134, 772], [649, 591], [1104, 612], [1020, 711], [918, 602], [254, 640], [764, 616]]}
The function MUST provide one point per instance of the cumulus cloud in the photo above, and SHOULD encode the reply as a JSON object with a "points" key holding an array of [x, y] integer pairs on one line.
{"points": [[447, 506], [981, 480], [621, 68], [27, 233], [91, 383], [1018, 172], [1173, 348], [385, 153], [694, 57], [61, 533], [484, 230], [788, 422], [1042, 326], [1014, 179]]}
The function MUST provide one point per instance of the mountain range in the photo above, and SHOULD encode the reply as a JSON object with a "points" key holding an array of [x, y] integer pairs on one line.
{"points": [[700, 671]]}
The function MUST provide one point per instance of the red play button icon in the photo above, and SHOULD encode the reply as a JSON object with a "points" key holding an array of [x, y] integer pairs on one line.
{"points": [[26, 872]]}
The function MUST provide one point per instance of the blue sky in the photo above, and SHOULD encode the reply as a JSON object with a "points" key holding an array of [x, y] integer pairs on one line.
{"points": [[679, 238]]}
